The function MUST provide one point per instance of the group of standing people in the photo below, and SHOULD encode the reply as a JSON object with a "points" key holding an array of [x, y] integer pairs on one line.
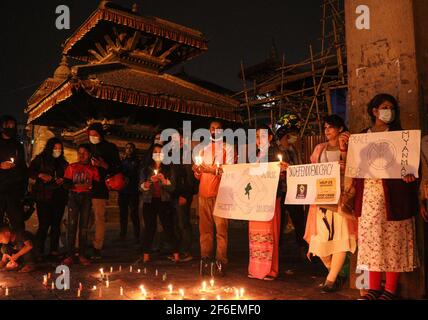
{"points": [[381, 228]]}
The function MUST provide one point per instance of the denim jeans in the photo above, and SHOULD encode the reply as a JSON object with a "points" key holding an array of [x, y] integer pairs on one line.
{"points": [[79, 209]]}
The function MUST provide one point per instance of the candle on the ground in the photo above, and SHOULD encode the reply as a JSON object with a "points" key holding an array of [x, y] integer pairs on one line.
{"points": [[120, 268], [49, 275], [52, 285], [170, 288], [78, 293], [157, 272], [45, 280], [100, 294], [212, 282], [145, 270], [111, 269], [237, 294], [241, 293], [80, 286], [130, 269], [139, 270], [181, 291], [107, 283], [164, 277], [6, 291], [102, 272], [12, 160], [204, 286], [94, 288], [121, 291], [218, 297]]}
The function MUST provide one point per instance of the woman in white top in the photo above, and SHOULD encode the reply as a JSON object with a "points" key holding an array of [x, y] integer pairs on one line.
{"points": [[329, 234]]}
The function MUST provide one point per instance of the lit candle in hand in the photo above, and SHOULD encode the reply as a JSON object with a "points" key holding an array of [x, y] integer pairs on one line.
{"points": [[12, 160], [155, 172]]}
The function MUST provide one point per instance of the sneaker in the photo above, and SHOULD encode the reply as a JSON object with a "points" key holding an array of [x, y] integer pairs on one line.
{"points": [[389, 296], [204, 267], [68, 261], [96, 255], [371, 295], [84, 261]]}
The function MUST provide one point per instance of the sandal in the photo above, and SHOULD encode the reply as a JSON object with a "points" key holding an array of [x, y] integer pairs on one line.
{"points": [[371, 295], [27, 268]]}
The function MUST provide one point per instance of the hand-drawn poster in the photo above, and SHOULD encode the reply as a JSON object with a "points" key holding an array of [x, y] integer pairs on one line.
{"points": [[384, 155], [248, 191]]}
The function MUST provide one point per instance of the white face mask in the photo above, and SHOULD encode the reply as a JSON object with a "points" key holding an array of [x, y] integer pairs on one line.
{"points": [[157, 157], [94, 140], [56, 153], [292, 139], [386, 115]]}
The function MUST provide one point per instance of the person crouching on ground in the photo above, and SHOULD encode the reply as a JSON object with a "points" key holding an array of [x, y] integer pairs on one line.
{"points": [[17, 250], [157, 183], [80, 177]]}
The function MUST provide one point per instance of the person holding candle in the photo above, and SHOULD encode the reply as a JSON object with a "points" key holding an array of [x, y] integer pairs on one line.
{"points": [[331, 235], [157, 182], [208, 173], [386, 210], [186, 187], [17, 250], [13, 175], [80, 178], [47, 170], [264, 235]]}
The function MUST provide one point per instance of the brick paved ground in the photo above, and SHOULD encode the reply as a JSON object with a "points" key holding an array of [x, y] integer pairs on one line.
{"points": [[298, 280]]}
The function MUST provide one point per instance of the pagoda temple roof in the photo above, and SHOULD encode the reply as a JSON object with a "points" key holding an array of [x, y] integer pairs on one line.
{"points": [[113, 27], [112, 88]]}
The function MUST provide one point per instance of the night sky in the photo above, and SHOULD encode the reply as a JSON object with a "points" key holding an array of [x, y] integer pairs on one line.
{"points": [[236, 29]]}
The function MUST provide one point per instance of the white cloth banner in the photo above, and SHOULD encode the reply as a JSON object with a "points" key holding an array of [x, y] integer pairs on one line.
{"points": [[317, 183], [248, 191], [384, 155]]}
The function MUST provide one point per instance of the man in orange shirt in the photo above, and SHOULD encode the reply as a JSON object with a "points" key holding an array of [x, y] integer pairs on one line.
{"points": [[208, 172]]}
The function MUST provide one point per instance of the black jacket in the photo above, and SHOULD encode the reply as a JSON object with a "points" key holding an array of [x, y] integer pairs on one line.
{"points": [[131, 170], [109, 153], [53, 167], [15, 179]]}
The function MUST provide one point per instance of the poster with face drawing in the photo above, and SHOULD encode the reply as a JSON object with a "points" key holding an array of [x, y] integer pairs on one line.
{"points": [[384, 155], [317, 183], [248, 191]]}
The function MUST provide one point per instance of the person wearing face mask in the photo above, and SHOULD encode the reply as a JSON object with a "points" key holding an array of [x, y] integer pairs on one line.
{"points": [[385, 209], [208, 172], [105, 157], [287, 139], [13, 175], [128, 196], [157, 183], [47, 169]]}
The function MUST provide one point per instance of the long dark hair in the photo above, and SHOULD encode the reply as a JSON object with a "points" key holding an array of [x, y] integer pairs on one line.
{"points": [[48, 149], [149, 163], [377, 101], [336, 122]]}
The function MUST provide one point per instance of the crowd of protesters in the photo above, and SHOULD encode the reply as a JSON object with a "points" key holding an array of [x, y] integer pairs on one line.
{"points": [[382, 226]]}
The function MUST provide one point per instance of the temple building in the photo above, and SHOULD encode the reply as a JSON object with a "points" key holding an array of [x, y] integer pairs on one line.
{"points": [[114, 69]]}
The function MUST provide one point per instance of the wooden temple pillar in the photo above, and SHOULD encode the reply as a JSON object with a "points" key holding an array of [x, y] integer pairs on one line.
{"points": [[387, 46]]}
